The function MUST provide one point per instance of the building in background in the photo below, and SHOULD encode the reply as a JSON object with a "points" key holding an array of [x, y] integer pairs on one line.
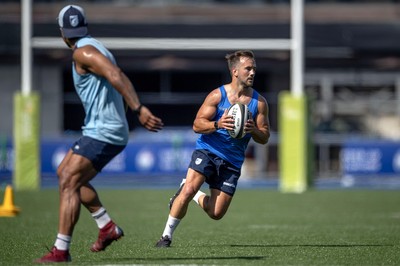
{"points": [[352, 57]]}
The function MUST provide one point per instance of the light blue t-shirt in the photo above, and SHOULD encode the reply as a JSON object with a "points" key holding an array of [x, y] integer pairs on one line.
{"points": [[105, 118], [220, 142]]}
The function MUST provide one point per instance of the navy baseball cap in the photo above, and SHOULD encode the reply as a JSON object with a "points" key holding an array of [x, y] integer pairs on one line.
{"points": [[72, 21]]}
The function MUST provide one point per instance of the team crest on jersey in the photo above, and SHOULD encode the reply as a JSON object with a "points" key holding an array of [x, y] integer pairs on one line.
{"points": [[198, 161], [73, 20]]}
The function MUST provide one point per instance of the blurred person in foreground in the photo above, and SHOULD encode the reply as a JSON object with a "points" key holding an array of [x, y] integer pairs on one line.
{"points": [[102, 88], [218, 158]]}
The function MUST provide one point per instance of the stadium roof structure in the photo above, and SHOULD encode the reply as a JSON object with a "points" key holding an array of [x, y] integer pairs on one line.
{"points": [[337, 35]]}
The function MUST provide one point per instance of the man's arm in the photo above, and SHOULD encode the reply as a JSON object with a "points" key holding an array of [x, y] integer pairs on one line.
{"points": [[204, 122], [89, 60], [260, 129]]}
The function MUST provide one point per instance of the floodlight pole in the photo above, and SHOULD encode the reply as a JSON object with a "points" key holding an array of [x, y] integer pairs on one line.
{"points": [[297, 47], [26, 48]]}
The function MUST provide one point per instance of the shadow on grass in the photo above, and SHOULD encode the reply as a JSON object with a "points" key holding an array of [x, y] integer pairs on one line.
{"points": [[248, 258], [311, 245]]}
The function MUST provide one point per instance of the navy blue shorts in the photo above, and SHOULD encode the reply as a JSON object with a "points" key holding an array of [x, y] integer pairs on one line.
{"points": [[219, 174], [98, 152]]}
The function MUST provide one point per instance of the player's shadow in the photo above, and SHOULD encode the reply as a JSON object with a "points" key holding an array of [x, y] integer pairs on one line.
{"points": [[310, 245], [246, 258]]}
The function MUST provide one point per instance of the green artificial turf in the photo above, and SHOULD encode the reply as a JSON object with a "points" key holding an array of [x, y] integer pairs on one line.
{"points": [[262, 227]]}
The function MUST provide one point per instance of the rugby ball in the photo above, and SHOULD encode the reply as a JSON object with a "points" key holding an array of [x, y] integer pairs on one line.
{"points": [[240, 113]]}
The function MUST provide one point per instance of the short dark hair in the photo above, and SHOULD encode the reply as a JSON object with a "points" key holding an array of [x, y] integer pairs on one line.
{"points": [[234, 57]]}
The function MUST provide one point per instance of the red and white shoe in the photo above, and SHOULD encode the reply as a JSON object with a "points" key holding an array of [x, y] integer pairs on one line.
{"points": [[55, 255], [111, 232]]}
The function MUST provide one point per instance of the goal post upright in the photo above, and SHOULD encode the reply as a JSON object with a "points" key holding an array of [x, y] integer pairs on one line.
{"points": [[297, 48], [295, 138], [26, 128]]}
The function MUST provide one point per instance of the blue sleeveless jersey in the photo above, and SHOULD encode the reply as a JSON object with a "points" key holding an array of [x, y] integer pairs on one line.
{"points": [[220, 142], [105, 118]]}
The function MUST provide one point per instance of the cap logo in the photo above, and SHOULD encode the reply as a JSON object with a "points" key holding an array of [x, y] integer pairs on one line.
{"points": [[74, 20]]}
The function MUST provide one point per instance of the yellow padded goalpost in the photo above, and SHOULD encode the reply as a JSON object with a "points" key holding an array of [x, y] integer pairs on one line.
{"points": [[295, 138], [26, 136]]}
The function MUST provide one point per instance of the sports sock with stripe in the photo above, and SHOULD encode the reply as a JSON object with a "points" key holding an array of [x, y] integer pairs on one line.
{"points": [[101, 217]]}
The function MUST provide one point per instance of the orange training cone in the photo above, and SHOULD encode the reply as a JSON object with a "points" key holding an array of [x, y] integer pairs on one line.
{"points": [[8, 209]]}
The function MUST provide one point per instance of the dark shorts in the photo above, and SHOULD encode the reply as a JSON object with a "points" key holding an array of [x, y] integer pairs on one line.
{"points": [[98, 152], [219, 174]]}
